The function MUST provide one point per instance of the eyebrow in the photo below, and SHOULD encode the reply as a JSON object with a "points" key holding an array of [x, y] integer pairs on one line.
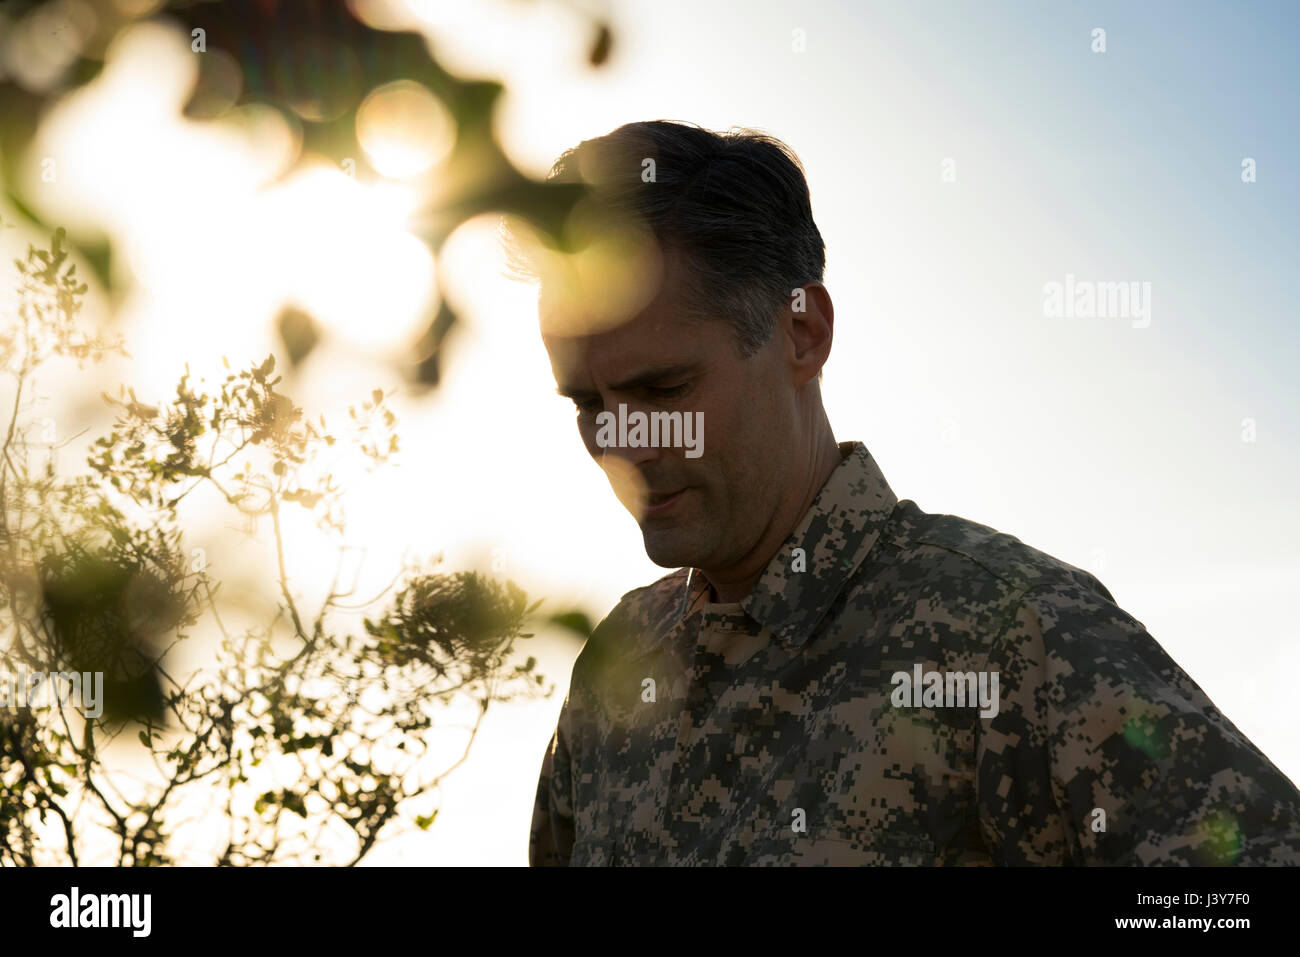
{"points": [[643, 378]]}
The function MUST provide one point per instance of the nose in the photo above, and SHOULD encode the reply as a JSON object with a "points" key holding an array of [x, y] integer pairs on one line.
{"points": [[635, 457], [608, 441]]}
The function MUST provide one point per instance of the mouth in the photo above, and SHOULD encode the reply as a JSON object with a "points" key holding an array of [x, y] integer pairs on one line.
{"points": [[659, 503]]}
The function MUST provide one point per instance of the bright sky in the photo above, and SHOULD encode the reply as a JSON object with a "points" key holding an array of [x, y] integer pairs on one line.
{"points": [[1113, 444]]}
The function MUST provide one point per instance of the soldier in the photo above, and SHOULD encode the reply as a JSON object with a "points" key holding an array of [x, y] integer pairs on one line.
{"points": [[750, 708]]}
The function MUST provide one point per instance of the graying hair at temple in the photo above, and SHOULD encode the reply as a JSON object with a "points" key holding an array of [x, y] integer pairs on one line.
{"points": [[736, 203]]}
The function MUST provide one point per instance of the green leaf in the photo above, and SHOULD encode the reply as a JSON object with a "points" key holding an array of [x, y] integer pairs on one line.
{"points": [[600, 46], [575, 621]]}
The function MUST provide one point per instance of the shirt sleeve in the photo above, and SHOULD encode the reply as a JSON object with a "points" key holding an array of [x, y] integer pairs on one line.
{"points": [[550, 841], [1104, 751]]}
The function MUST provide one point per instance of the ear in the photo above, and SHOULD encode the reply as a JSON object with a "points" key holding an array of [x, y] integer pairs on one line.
{"points": [[808, 323]]}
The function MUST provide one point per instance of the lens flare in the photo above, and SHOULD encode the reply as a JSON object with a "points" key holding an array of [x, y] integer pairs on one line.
{"points": [[404, 129]]}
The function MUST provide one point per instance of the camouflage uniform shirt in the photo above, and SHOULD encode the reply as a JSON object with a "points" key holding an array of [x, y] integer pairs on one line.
{"points": [[771, 731]]}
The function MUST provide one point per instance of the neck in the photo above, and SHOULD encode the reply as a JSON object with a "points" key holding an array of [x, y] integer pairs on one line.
{"points": [[733, 584]]}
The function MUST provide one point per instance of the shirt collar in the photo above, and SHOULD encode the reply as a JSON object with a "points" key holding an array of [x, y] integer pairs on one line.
{"points": [[840, 527]]}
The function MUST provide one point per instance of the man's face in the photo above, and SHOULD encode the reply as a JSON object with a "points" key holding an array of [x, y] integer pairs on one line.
{"points": [[708, 511]]}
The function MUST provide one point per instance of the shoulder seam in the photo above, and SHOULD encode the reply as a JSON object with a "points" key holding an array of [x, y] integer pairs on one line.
{"points": [[1014, 582]]}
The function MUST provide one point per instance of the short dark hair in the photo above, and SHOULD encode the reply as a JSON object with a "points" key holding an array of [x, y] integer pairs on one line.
{"points": [[735, 203]]}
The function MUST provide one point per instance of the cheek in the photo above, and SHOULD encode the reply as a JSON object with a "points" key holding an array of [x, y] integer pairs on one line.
{"points": [[744, 422], [751, 441], [771, 408], [587, 432]]}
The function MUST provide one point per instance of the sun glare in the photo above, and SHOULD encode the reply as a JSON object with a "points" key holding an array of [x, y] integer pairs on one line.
{"points": [[404, 129]]}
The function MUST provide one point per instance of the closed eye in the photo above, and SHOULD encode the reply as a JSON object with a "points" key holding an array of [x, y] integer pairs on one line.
{"points": [[590, 405], [668, 392]]}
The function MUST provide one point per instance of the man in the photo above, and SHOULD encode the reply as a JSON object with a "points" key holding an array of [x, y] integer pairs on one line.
{"points": [[832, 676]]}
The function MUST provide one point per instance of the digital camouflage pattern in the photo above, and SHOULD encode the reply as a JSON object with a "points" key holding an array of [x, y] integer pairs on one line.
{"points": [[782, 702]]}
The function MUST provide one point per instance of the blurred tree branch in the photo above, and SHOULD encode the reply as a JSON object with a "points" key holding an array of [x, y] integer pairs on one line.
{"points": [[315, 61], [306, 751]]}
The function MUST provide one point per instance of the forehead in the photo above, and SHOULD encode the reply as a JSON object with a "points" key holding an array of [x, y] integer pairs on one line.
{"points": [[667, 330]]}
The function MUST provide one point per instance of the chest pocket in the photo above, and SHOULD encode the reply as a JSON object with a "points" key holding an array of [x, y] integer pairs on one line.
{"points": [[840, 847]]}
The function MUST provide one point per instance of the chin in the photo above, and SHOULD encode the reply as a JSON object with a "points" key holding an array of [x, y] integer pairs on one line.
{"points": [[671, 548]]}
